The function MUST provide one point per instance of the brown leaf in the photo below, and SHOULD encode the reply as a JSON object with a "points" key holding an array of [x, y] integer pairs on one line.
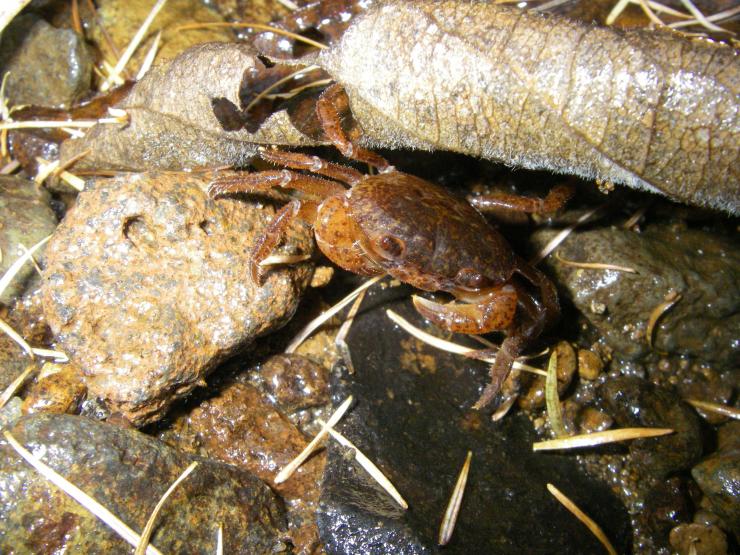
{"points": [[651, 110], [186, 114]]}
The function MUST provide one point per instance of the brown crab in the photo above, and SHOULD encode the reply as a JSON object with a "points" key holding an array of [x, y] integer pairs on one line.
{"points": [[397, 224]]}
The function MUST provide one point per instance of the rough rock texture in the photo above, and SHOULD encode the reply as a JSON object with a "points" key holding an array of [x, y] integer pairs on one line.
{"points": [[240, 427], [638, 403], [702, 267], [413, 419], [60, 390], [127, 472], [147, 287], [48, 66], [25, 219], [719, 476], [698, 539], [293, 382]]}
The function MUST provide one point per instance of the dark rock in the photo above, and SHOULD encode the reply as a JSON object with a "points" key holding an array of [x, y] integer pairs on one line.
{"points": [[25, 219], [60, 390], [705, 540], [700, 266], [634, 402], [666, 505], [239, 426], [294, 382], [719, 477], [415, 422], [48, 66], [147, 287], [127, 472]]}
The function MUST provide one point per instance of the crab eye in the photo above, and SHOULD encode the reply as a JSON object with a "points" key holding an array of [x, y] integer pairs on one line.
{"points": [[391, 247], [469, 278]]}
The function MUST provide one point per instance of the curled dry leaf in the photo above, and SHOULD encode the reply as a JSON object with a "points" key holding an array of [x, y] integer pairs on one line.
{"points": [[652, 110], [173, 117]]}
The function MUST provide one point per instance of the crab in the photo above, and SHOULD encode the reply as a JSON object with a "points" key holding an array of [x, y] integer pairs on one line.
{"points": [[415, 231]]}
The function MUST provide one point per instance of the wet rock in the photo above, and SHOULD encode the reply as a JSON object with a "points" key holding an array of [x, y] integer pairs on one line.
{"points": [[719, 477], [700, 266], [294, 382], [10, 412], [705, 540], [708, 387], [592, 420], [58, 390], [127, 472], [48, 66], [25, 219], [147, 287], [634, 402], [590, 364], [666, 505], [416, 423], [239, 426], [13, 361]]}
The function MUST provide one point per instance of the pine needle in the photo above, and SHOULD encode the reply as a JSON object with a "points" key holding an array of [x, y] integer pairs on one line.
{"points": [[453, 507], [258, 26], [724, 410], [599, 438], [580, 515], [671, 299], [594, 265], [551, 397], [16, 384], [555, 242]]}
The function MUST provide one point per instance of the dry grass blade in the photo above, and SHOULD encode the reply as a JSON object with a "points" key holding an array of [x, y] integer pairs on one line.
{"points": [[149, 528], [258, 26], [594, 265], [11, 272], [58, 356], [453, 507], [701, 18], [146, 64], [599, 438], [133, 45], [555, 242], [72, 124], [15, 336], [9, 9], [16, 384], [293, 465], [580, 515], [369, 466], [340, 339], [280, 82], [551, 397], [449, 346], [324, 316], [670, 300], [115, 523], [721, 16], [288, 4], [295, 91], [220, 540], [724, 410]]}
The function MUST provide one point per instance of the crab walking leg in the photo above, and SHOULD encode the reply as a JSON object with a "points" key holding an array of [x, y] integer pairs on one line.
{"points": [[554, 201], [299, 161], [495, 312], [266, 180], [332, 102]]}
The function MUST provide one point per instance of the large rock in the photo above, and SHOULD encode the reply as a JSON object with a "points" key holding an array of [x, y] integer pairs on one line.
{"points": [[147, 287], [127, 472]]}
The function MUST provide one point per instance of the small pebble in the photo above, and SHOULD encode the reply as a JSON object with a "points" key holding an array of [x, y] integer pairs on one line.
{"points": [[707, 540], [589, 364]]}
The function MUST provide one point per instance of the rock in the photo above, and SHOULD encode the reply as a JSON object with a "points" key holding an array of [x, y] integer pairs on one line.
{"points": [[534, 396], [592, 420], [702, 267], [718, 477], [13, 361], [634, 402], [147, 287], [666, 505], [706, 540], [416, 424], [60, 390], [25, 219], [294, 382], [10, 412], [127, 472], [48, 66], [240, 427], [590, 364]]}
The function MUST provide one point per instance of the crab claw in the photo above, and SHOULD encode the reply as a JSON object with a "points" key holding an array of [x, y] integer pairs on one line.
{"points": [[494, 312]]}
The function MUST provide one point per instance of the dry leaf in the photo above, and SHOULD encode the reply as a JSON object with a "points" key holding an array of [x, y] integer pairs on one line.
{"points": [[652, 110], [172, 117]]}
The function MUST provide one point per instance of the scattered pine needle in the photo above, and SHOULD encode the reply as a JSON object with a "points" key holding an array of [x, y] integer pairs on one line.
{"points": [[599, 438], [293, 465], [453, 507], [551, 397], [80, 496], [369, 466], [11, 272], [327, 314], [275, 259], [671, 299], [149, 528], [10, 167], [555, 242], [16, 384], [724, 410], [220, 540], [115, 73], [258, 26], [594, 265], [146, 64], [288, 4], [295, 75], [580, 515], [504, 408], [721, 16], [449, 346], [15, 336], [58, 356], [700, 17], [341, 339], [295, 91]]}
